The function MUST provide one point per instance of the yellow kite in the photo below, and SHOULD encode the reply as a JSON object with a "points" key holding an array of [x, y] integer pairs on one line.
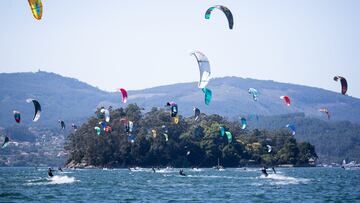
{"points": [[36, 8]]}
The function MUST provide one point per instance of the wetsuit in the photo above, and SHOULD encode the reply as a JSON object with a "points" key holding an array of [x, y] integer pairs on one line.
{"points": [[181, 172], [50, 172], [263, 170], [153, 170]]}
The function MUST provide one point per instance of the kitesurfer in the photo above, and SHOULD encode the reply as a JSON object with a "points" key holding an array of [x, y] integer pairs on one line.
{"points": [[263, 170], [181, 172], [153, 169], [60, 169], [50, 172]]}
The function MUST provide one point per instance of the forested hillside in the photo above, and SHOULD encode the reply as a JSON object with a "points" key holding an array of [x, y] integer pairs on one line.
{"points": [[156, 141]]}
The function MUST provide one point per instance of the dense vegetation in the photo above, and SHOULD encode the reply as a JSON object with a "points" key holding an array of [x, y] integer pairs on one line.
{"points": [[334, 141], [191, 143]]}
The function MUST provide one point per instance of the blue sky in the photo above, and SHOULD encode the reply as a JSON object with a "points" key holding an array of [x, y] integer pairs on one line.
{"points": [[138, 44]]}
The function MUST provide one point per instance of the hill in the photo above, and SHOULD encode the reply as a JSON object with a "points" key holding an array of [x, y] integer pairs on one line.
{"points": [[231, 99], [60, 98], [74, 101]]}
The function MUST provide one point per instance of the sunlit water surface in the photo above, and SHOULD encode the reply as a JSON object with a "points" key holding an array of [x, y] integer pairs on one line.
{"points": [[166, 185]]}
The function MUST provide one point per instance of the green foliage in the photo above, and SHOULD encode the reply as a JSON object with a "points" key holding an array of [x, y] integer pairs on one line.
{"points": [[334, 141], [191, 143]]}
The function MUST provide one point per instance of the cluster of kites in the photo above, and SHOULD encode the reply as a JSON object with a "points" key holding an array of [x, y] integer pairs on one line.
{"points": [[104, 119], [205, 73]]}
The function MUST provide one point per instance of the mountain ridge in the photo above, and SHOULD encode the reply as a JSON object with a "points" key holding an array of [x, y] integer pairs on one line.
{"points": [[74, 101], [68, 99]]}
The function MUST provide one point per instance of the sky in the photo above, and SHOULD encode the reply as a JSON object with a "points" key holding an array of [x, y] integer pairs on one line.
{"points": [[140, 44]]}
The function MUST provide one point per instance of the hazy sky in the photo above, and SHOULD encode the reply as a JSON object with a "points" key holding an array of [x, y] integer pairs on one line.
{"points": [[138, 44]]}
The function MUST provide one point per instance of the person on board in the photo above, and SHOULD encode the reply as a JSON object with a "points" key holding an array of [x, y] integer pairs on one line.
{"points": [[263, 170], [50, 172], [181, 172]]}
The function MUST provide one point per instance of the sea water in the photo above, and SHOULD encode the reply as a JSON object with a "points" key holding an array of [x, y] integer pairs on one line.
{"points": [[166, 185]]}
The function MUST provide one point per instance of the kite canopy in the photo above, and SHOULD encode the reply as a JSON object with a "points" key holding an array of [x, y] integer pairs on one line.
{"points": [[106, 113], [154, 133], [171, 103], [269, 148], [131, 126], [74, 126], [229, 136], [176, 119], [173, 108], [166, 136], [108, 129], [36, 8], [125, 122], [98, 130], [204, 68], [6, 142], [165, 132], [174, 111], [208, 95], [103, 124], [286, 100], [292, 128], [243, 123], [326, 111], [100, 115], [226, 11], [197, 113], [222, 131], [37, 108], [17, 116], [62, 124], [124, 95], [254, 93], [344, 85]]}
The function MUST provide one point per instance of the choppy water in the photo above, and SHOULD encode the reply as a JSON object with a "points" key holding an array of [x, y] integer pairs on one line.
{"points": [[202, 185]]}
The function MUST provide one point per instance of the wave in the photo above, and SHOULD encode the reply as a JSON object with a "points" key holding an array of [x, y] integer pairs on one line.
{"points": [[62, 180], [167, 170], [196, 170], [206, 176], [285, 180], [66, 172], [55, 180], [138, 169]]}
